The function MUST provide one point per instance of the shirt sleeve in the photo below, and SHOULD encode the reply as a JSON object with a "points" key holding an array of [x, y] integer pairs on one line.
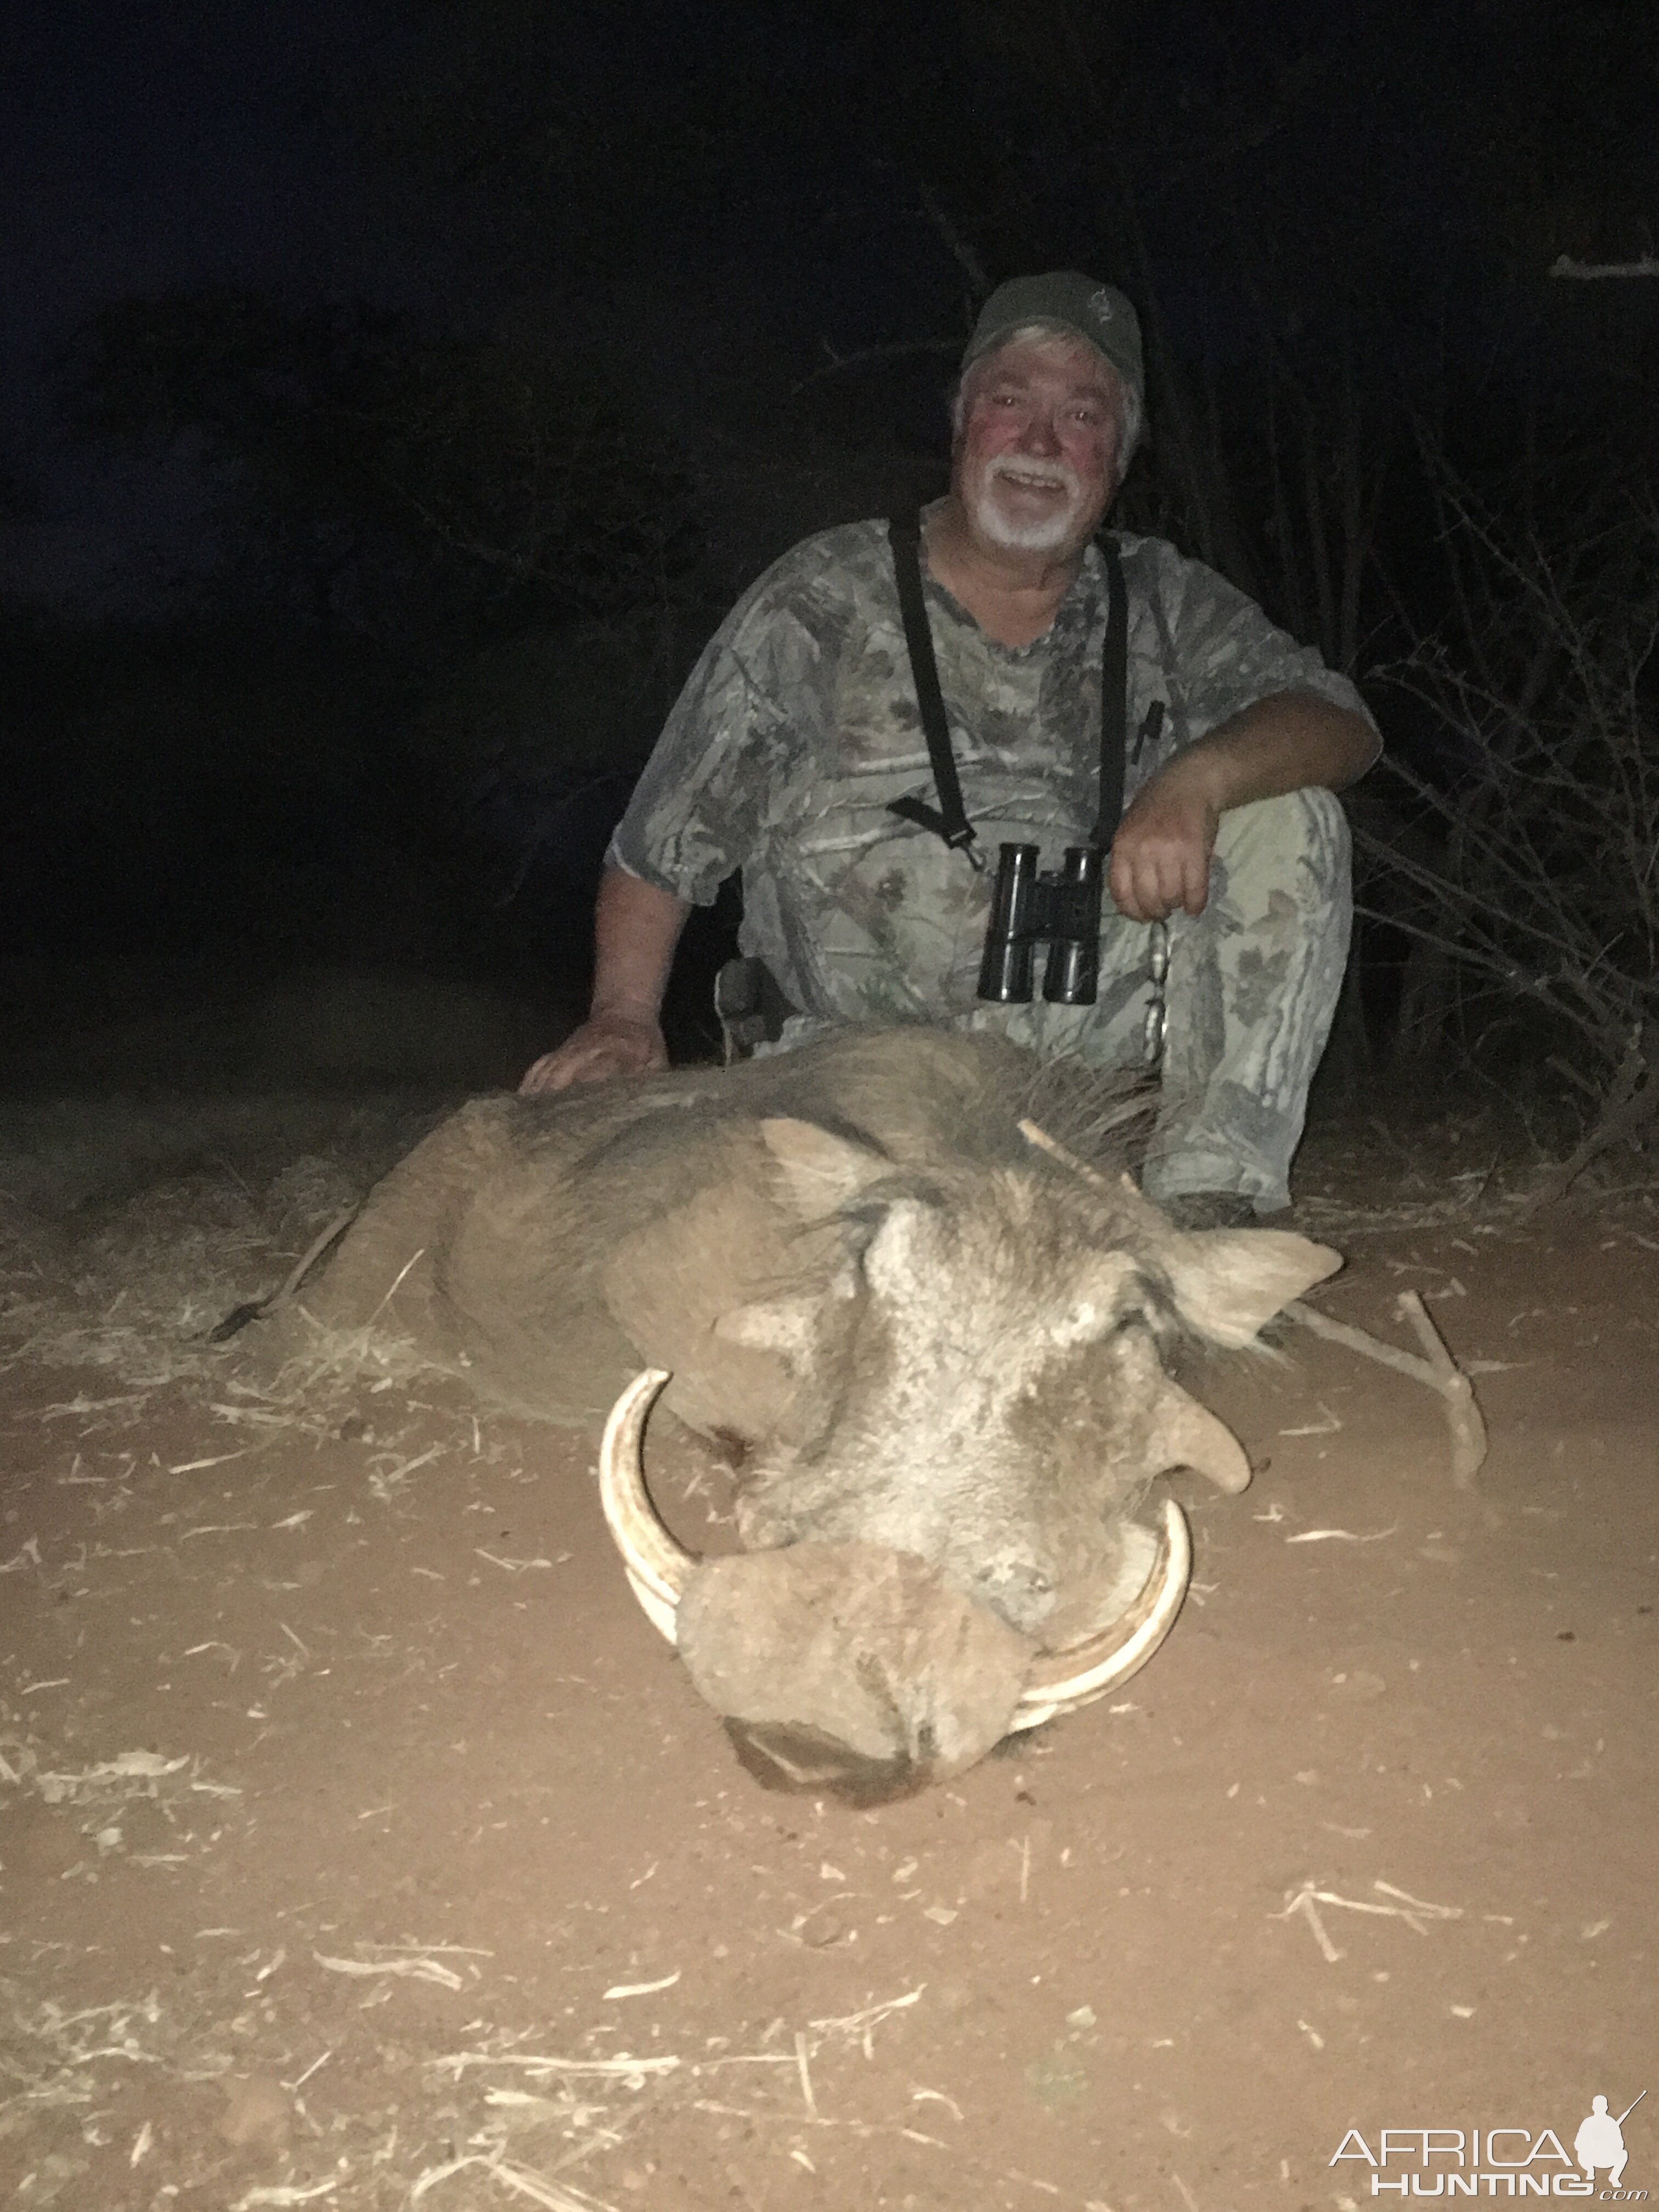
{"points": [[753, 705], [1227, 654]]}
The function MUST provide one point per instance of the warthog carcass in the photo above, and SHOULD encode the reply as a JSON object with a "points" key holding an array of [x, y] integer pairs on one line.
{"points": [[933, 1355]]}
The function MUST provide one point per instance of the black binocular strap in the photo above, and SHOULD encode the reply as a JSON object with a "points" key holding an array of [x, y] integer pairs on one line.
{"points": [[949, 819], [1114, 699]]}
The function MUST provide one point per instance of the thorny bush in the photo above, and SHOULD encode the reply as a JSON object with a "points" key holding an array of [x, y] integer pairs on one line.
{"points": [[1524, 861]]}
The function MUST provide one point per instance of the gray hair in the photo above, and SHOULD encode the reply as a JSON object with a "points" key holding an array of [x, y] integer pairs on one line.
{"points": [[1131, 414]]}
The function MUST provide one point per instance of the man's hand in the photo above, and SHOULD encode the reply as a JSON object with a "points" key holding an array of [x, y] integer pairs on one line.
{"points": [[635, 929], [1161, 853], [605, 1045]]}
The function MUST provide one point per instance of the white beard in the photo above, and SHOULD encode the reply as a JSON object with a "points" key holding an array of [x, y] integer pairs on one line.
{"points": [[1043, 533]]}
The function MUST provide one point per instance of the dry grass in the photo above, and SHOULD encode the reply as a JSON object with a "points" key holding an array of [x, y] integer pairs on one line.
{"points": [[129, 1227]]}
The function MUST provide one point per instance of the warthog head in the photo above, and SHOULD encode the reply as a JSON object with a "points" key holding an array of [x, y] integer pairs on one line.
{"points": [[967, 1401]]}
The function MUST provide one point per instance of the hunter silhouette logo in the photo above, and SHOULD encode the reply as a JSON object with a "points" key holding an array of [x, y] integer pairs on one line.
{"points": [[1601, 2139], [1512, 2161]]}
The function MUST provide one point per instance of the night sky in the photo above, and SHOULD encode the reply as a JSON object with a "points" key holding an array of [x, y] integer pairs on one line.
{"points": [[147, 147], [696, 210], [169, 145], [151, 148]]}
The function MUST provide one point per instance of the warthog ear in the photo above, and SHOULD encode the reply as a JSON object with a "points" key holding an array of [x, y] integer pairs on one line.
{"points": [[1227, 1282], [822, 1172]]}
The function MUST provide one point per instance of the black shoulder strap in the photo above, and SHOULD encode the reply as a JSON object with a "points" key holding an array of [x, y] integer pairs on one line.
{"points": [[949, 819], [1114, 698]]}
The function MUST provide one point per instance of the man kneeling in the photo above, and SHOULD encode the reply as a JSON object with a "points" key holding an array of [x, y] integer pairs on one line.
{"points": [[799, 752]]}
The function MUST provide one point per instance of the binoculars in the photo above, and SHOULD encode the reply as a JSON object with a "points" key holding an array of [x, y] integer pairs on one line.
{"points": [[1060, 910]]}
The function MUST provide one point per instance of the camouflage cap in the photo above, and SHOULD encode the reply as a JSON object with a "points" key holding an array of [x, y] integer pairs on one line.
{"points": [[1099, 312]]}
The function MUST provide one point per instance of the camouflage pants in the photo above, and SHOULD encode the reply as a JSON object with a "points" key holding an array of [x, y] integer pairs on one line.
{"points": [[1252, 987]]}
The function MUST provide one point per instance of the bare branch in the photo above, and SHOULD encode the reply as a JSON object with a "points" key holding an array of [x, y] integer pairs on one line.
{"points": [[960, 251], [1629, 1106], [1592, 272], [838, 363]]}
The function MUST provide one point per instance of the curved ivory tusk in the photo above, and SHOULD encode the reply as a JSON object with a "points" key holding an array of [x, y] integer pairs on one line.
{"points": [[658, 1568], [1063, 1681]]}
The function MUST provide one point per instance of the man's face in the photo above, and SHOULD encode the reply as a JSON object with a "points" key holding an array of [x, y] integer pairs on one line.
{"points": [[1036, 462]]}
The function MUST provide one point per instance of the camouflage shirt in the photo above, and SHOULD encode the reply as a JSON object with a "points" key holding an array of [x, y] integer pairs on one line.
{"points": [[800, 724]]}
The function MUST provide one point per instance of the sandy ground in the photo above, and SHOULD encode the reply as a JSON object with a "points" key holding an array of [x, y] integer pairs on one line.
{"points": [[361, 1844]]}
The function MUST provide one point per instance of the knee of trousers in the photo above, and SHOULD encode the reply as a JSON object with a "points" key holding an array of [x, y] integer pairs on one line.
{"points": [[1302, 834]]}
